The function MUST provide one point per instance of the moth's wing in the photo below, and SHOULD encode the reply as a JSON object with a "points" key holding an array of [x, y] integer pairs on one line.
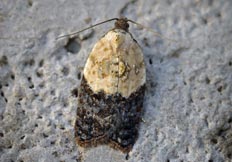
{"points": [[132, 67], [131, 86], [89, 125], [100, 67], [93, 107]]}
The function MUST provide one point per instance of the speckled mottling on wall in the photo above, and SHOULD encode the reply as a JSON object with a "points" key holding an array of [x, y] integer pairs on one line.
{"points": [[188, 97]]}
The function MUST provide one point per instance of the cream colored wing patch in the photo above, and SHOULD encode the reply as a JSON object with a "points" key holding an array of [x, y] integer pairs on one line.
{"points": [[115, 64]]}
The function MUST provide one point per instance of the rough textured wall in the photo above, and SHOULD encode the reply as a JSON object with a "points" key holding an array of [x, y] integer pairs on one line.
{"points": [[188, 109]]}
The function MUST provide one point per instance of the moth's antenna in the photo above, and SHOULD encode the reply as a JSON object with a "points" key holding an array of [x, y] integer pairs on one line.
{"points": [[151, 30], [86, 28]]}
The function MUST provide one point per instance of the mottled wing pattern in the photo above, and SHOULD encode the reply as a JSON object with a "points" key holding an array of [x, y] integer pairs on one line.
{"points": [[111, 93]]}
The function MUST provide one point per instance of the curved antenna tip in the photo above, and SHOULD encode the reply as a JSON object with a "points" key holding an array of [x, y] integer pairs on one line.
{"points": [[75, 33]]}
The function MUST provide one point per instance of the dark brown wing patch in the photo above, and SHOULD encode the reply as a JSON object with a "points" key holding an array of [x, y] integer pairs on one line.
{"points": [[108, 119]]}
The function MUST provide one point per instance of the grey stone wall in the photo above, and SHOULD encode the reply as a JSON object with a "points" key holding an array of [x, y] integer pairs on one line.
{"points": [[188, 109]]}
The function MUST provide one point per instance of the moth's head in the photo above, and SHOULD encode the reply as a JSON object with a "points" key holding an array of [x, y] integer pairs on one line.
{"points": [[122, 23]]}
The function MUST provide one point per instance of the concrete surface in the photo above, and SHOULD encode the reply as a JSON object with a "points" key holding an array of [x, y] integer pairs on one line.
{"points": [[188, 110]]}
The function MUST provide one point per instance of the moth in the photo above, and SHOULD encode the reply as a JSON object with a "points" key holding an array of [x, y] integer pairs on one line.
{"points": [[111, 92]]}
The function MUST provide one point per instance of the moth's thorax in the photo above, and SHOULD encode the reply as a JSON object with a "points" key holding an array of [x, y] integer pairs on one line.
{"points": [[115, 64]]}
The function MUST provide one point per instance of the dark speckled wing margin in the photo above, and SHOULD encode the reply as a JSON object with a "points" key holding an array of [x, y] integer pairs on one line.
{"points": [[108, 119]]}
